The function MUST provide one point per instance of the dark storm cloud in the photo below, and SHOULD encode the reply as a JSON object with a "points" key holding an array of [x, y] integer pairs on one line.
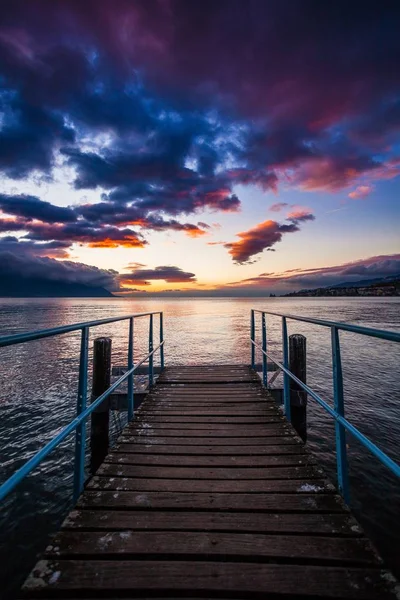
{"points": [[83, 233], [20, 246], [170, 274], [29, 136], [165, 107], [23, 265], [31, 207]]}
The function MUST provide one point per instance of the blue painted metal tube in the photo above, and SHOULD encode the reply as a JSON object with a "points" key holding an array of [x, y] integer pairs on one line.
{"points": [[391, 336], [340, 432], [253, 338], [286, 380], [151, 360], [19, 338], [162, 340], [264, 347], [384, 458], [11, 483], [130, 367], [80, 433]]}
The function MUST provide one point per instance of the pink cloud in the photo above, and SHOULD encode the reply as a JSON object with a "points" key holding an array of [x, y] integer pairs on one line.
{"points": [[300, 213], [361, 192], [278, 206]]}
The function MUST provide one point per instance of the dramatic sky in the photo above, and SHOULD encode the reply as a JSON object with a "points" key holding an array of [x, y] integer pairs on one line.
{"points": [[234, 146]]}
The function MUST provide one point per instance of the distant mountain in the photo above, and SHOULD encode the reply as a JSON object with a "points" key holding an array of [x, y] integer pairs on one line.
{"points": [[382, 286], [367, 282], [32, 287]]}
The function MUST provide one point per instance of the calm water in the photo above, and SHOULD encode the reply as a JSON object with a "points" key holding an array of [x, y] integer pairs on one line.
{"points": [[38, 384]]}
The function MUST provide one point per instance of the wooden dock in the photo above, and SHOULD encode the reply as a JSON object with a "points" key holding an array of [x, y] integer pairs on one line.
{"points": [[209, 493]]}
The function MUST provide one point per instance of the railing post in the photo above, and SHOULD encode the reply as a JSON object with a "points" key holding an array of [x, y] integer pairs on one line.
{"points": [[286, 378], [264, 347], [298, 397], [340, 432], [99, 437], [252, 338], [130, 366], [151, 357], [161, 341], [80, 434]]}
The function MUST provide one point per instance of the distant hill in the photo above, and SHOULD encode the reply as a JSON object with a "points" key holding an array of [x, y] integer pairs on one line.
{"points": [[383, 286], [30, 287], [367, 282]]}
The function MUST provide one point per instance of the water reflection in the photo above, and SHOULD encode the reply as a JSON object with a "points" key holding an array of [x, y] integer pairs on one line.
{"points": [[38, 386]]}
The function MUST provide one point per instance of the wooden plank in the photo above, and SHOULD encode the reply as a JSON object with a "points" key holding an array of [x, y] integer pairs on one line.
{"points": [[147, 430], [228, 407], [219, 381], [211, 441], [149, 433], [213, 390], [218, 390], [210, 450], [185, 545], [272, 486], [194, 422], [206, 473], [307, 502], [218, 422], [124, 520], [205, 460], [169, 577], [207, 411], [201, 429], [200, 402]]}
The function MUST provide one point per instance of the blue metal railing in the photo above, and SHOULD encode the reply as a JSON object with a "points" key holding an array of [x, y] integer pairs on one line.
{"points": [[78, 424], [337, 412]]}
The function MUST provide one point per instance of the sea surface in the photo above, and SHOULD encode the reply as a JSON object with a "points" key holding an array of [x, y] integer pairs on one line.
{"points": [[38, 387]]}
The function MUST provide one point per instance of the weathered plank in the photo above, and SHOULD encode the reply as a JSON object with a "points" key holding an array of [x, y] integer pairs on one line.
{"points": [[207, 411], [189, 423], [342, 524], [211, 486], [259, 450], [185, 545], [194, 422], [117, 500], [146, 429], [211, 441], [207, 473], [170, 460], [168, 577]]}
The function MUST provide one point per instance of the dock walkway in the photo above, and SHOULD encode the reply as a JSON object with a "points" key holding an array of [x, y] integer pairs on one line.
{"points": [[209, 493]]}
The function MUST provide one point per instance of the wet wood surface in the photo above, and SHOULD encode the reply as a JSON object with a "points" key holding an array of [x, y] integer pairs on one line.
{"points": [[209, 493]]}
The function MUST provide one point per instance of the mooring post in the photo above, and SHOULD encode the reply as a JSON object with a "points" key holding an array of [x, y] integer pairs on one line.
{"points": [[99, 437], [298, 397]]}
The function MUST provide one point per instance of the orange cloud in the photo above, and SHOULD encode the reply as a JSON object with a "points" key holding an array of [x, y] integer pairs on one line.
{"points": [[361, 192], [128, 242], [255, 240], [300, 213]]}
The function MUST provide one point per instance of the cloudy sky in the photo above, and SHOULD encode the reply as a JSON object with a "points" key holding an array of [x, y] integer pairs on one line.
{"points": [[227, 146]]}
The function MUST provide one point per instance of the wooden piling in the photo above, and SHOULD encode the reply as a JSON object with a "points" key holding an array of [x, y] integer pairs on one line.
{"points": [[99, 436], [298, 397]]}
